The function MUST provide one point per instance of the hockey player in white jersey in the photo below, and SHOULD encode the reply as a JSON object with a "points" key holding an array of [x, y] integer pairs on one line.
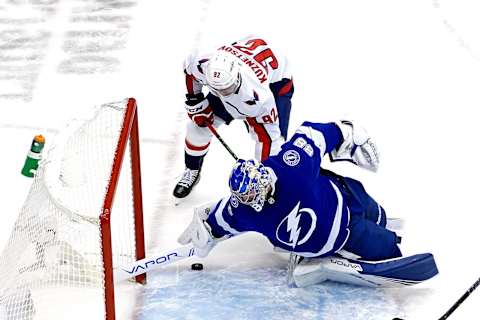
{"points": [[328, 219], [246, 80]]}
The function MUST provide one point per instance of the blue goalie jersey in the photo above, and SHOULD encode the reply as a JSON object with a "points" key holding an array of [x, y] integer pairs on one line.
{"points": [[307, 213]]}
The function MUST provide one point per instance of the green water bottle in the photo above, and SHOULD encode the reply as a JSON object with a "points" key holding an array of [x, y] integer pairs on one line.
{"points": [[33, 156]]}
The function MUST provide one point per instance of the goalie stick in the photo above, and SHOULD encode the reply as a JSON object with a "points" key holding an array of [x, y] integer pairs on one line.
{"points": [[153, 263]]}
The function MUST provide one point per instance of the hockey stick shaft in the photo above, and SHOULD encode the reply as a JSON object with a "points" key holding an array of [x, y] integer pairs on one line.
{"points": [[460, 301], [215, 133], [153, 263]]}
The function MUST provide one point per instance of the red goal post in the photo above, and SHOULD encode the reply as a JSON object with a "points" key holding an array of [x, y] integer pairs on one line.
{"points": [[128, 133]]}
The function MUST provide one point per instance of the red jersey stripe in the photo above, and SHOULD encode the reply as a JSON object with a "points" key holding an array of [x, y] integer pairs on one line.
{"points": [[262, 135], [189, 81]]}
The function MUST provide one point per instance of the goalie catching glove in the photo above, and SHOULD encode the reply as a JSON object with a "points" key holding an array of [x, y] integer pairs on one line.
{"points": [[199, 232], [199, 109], [356, 147]]}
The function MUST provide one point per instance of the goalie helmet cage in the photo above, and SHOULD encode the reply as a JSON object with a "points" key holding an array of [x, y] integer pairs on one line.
{"points": [[70, 233]]}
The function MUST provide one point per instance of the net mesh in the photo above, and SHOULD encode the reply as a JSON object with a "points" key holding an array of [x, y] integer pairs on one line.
{"points": [[55, 248]]}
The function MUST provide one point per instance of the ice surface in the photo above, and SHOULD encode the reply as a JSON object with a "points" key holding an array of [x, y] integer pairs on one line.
{"points": [[257, 293]]}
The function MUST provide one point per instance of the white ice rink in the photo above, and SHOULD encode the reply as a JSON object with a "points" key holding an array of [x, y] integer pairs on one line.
{"points": [[408, 70]]}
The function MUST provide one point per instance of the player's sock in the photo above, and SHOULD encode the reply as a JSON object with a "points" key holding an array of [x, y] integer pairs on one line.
{"points": [[189, 179]]}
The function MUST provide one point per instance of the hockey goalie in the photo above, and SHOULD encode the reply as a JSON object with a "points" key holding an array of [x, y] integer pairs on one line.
{"points": [[332, 227]]}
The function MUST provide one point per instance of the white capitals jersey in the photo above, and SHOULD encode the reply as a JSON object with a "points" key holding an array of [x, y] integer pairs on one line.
{"points": [[260, 66]]}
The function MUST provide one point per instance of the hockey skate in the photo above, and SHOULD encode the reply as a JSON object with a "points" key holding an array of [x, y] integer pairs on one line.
{"points": [[189, 179]]}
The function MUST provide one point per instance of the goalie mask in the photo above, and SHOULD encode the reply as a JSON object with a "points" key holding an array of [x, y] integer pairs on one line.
{"points": [[223, 74], [251, 182]]}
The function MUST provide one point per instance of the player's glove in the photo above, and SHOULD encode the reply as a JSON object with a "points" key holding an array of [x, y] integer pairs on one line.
{"points": [[199, 233], [198, 109], [356, 147]]}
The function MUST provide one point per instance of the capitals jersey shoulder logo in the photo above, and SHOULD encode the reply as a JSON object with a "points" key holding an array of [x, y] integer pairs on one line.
{"points": [[297, 227], [254, 100]]}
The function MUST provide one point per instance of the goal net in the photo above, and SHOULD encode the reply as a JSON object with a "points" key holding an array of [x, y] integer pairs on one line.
{"points": [[81, 219]]}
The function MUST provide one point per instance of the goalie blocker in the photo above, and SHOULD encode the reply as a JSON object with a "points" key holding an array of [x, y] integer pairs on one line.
{"points": [[397, 272]]}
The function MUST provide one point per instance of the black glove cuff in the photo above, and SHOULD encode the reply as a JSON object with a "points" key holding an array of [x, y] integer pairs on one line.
{"points": [[194, 98]]}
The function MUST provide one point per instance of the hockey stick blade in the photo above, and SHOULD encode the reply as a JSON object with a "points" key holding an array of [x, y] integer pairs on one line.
{"points": [[152, 263]]}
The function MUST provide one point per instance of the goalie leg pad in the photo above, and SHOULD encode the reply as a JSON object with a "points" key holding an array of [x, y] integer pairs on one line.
{"points": [[398, 272]]}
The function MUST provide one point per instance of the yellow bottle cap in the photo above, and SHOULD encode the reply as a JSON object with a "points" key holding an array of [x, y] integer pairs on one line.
{"points": [[39, 138]]}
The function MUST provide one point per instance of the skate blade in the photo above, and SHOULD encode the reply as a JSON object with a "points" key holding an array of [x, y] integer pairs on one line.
{"points": [[177, 201]]}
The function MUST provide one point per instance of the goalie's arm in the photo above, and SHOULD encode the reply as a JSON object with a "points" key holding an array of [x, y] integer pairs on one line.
{"points": [[311, 141], [207, 228], [325, 136]]}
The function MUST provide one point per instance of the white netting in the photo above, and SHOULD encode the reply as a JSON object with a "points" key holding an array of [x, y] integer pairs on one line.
{"points": [[56, 243]]}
